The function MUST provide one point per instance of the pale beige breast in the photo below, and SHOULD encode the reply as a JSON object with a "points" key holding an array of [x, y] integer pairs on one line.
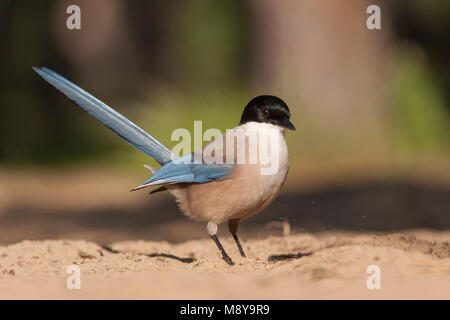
{"points": [[238, 197], [245, 192]]}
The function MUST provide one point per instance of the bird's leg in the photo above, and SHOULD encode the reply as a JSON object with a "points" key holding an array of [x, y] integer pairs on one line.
{"points": [[212, 230], [233, 227]]}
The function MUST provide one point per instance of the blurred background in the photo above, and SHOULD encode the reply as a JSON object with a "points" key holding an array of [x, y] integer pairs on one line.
{"points": [[371, 151]]}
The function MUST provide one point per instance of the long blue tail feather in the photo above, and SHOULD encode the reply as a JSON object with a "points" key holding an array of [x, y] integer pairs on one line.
{"points": [[126, 129], [171, 171]]}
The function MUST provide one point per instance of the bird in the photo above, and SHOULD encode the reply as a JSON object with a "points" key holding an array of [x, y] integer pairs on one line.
{"points": [[215, 193]]}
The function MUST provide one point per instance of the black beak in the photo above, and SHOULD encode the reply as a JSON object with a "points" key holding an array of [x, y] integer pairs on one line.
{"points": [[287, 124]]}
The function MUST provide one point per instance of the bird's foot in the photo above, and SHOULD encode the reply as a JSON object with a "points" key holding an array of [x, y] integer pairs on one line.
{"points": [[227, 259]]}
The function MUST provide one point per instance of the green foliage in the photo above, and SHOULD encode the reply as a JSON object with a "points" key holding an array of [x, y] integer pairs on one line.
{"points": [[210, 43], [421, 122]]}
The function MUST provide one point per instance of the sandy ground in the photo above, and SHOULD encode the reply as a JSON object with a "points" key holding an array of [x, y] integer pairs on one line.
{"points": [[401, 226], [304, 266]]}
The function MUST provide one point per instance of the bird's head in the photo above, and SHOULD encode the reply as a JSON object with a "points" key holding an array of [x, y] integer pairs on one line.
{"points": [[267, 109]]}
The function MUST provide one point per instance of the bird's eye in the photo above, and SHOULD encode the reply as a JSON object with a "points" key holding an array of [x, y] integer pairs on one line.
{"points": [[266, 111]]}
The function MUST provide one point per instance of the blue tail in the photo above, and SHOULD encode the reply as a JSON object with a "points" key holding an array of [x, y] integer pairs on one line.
{"points": [[134, 135]]}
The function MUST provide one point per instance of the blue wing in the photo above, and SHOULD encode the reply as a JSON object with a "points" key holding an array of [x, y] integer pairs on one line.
{"points": [[126, 129], [184, 170]]}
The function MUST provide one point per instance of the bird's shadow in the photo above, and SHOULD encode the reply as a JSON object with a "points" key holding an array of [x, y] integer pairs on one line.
{"points": [[288, 256], [152, 255], [272, 258], [170, 256]]}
